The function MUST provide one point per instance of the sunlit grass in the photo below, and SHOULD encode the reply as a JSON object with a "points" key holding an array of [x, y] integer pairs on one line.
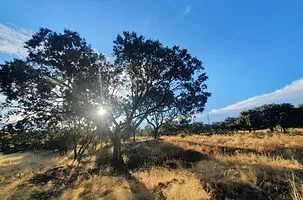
{"points": [[233, 165], [176, 184]]}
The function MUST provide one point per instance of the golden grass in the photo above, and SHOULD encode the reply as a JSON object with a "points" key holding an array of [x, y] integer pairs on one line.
{"points": [[276, 151], [259, 141], [252, 162], [105, 187], [16, 169], [175, 184]]}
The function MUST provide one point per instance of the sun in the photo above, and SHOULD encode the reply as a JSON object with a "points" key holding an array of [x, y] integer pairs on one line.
{"points": [[101, 111]]}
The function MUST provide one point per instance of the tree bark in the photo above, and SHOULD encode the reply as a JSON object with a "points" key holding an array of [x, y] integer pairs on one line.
{"points": [[75, 152], [156, 131], [284, 129], [134, 136], [75, 147], [117, 160]]}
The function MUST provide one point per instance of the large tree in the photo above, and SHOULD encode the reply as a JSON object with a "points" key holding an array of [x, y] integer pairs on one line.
{"points": [[63, 82], [56, 86], [157, 79], [254, 120], [270, 115], [288, 116]]}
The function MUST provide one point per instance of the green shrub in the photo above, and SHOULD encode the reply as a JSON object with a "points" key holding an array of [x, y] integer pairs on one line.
{"points": [[182, 135], [58, 141]]}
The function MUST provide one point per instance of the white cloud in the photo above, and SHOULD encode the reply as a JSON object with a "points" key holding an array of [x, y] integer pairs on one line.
{"points": [[187, 10], [292, 93], [12, 40]]}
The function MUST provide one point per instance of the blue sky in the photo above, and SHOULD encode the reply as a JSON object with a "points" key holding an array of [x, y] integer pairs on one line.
{"points": [[252, 50]]}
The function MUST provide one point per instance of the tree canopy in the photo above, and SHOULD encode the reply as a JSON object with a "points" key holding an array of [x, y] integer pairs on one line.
{"points": [[63, 82]]}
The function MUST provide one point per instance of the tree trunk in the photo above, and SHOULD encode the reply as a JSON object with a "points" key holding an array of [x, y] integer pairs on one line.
{"points": [[134, 136], [117, 160], [75, 148], [75, 152], [156, 130], [284, 129]]}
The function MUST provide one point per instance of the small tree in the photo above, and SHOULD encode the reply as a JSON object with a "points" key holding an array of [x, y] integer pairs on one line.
{"points": [[287, 116], [231, 123], [158, 119]]}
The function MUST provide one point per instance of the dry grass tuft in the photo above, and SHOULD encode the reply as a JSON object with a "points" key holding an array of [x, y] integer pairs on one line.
{"points": [[173, 184]]}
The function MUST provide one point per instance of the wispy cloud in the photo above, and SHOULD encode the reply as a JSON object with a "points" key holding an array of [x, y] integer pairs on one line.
{"points": [[12, 40], [187, 10], [292, 93]]}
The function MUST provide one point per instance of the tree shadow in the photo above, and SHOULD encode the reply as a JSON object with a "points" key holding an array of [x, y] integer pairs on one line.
{"points": [[235, 190], [137, 188], [59, 179], [160, 153], [146, 154], [143, 155]]}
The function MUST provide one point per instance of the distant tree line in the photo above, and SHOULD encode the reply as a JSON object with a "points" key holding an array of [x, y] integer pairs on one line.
{"points": [[274, 117]]}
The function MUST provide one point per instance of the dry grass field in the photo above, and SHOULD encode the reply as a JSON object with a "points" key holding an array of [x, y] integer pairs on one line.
{"points": [[240, 166]]}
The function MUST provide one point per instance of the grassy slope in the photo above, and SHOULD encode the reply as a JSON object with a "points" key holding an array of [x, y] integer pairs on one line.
{"points": [[242, 166]]}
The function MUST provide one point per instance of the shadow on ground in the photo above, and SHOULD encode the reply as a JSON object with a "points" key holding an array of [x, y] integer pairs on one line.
{"points": [[58, 179], [159, 153]]}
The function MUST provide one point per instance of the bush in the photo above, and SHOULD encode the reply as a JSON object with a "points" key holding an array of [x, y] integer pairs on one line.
{"points": [[12, 142], [182, 135], [15, 141], [58, 141]]}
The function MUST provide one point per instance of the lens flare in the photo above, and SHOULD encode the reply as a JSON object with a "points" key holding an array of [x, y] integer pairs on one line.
{"points": [[101, 111]]}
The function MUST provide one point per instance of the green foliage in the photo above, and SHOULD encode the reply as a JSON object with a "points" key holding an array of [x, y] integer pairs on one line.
{"points": [[63, 81], [182, 135], [169, 128], [55, 88], [146, 131], [269, 116], [16, 140], [59, 141], [19, 141]]}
